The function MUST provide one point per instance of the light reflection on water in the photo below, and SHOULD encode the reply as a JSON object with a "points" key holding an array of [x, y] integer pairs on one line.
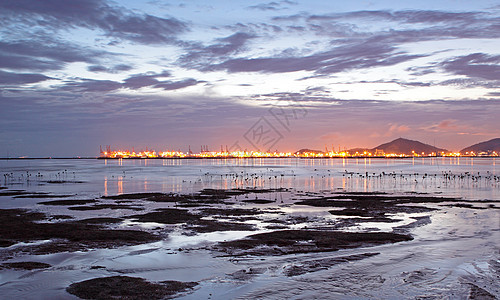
{"points": [[190, 175], [456, 237]]}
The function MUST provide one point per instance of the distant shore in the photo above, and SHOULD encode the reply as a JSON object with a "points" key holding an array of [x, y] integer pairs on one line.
{"points": [[211, 158]]}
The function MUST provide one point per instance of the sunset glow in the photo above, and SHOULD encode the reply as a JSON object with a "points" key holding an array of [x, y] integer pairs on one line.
{"points": [[172, 74]]}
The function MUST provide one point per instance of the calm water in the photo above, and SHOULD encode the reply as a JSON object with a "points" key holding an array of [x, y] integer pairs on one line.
{"points": [[460, 246], [105, 177]]}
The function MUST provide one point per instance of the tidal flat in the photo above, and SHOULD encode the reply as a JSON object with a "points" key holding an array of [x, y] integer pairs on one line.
{"points": [[230, 238]]}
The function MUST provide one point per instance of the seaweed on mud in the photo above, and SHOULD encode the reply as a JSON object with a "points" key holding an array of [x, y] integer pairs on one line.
{"points": [[230, 212], [42, 195], [63, 181], [14, 193], [167, 216], [373, 205], [25, 226], [192, 222], [205, 196], [204, 226], [134, 196], [479, 293], [259, 201], [102, 220], [25, 265], [467, 205], [68, 202], [105, 206], [305, 241], [125, 287]]}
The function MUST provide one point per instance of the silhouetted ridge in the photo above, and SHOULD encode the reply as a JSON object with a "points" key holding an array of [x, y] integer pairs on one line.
{"points": [[305, 150], [405, 146], [484, 147]]}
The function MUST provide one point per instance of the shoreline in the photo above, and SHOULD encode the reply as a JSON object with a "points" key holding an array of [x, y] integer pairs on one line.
{"points": [[224, 158]]}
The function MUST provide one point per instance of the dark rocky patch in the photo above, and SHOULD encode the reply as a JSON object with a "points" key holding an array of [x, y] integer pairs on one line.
{"points": [[374, 205], [25, 226], [167, 216], [134, 196], [260, 191], [466, 205], [276, 226], [374, 219], [193, 222], [203, 197], [124, 287], [6, 243], [305, 241], [100, 221], [230, 212], [322, 264], [479, 293], [204, 226], [105, 206], [26, 265], [97, 268], [42, 195], [63, 181], [59, 217], [68, 202], [259, 201], [14, 193]]}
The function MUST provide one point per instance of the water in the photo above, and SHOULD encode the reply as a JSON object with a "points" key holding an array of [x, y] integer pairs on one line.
{"points": [[108, 177], [459, 247]]}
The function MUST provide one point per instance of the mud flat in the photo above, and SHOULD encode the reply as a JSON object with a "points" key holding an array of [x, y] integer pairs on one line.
{"points": [[27, 226], [124, 287], [285, 242], [149, 245]]}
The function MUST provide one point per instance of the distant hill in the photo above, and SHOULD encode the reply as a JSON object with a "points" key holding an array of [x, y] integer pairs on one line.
{"points": [[302, 151], [404, 146], [488, 147]]}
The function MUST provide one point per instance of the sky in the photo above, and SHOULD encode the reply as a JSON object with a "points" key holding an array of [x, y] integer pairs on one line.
{"points": [[256, 75]]}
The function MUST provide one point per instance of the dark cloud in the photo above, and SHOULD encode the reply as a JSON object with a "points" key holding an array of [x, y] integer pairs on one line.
{"points": [[494, 94], [359, 56], [432, 24], [94, 14], [22, 78], [199, 55], [115, 69], [142, 80], [134, 82], [90, 85], [151, 80], [175, 85], [44, 54], [17, 62], [478, 65], [273, 5], [407, 16]]}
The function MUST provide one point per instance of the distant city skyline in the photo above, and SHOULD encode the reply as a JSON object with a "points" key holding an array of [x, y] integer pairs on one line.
{"points": [[286, 75]]}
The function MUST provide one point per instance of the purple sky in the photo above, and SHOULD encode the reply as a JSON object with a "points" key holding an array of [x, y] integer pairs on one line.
{"points": [[283, 75]]}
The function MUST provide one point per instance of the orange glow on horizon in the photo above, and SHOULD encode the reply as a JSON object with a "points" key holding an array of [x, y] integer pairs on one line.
{"points": [[276, 154]]}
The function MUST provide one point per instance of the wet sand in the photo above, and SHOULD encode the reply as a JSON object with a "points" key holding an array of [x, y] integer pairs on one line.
{"points": [[233, 243]]}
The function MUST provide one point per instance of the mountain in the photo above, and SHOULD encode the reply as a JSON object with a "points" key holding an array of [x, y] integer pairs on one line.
{"points": [[487, 147], [302, 151], [404, 146]]}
